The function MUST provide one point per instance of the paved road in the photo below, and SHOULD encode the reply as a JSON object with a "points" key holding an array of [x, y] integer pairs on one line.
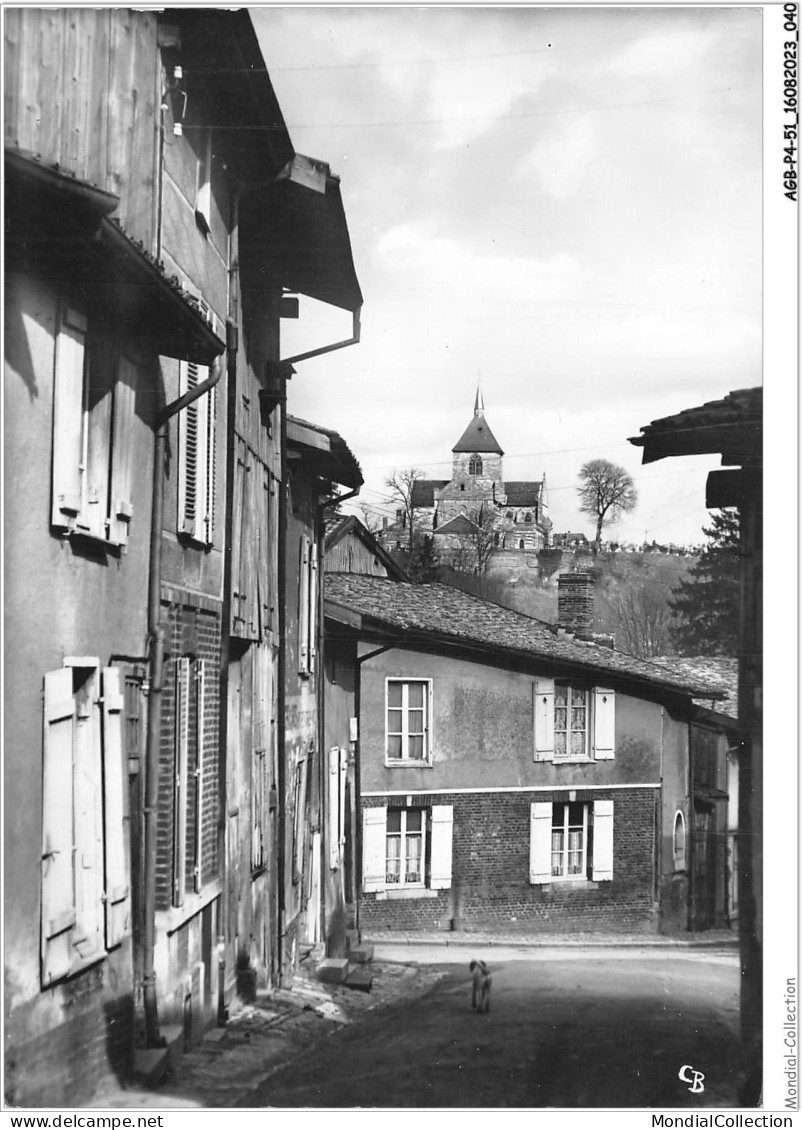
{"points": [[591, 1028]]}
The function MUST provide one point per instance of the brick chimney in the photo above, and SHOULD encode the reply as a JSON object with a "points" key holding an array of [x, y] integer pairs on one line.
{"points": [[575, 603]]}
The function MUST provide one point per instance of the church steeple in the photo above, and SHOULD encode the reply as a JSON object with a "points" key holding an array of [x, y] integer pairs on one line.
{"points": [[479, 405], [478, 437]]}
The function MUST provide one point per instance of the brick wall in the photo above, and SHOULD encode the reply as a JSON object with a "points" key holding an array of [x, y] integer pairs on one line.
{"points": [[490, 886]]}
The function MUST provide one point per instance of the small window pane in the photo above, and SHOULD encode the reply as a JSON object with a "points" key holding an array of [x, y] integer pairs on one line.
{"points": [[560, 695], [416, 694], [577, 744], [416, 747], [394, 694], [393, 859], [414, 820], [394, 745], [559, 745], [415, 722], [413, 872], [394, 820], [394, 721]]}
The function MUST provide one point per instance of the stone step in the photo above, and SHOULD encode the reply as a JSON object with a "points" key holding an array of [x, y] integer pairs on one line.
{"points": [[360, 955], [152, 1064], [359, 978], [333, 970]]}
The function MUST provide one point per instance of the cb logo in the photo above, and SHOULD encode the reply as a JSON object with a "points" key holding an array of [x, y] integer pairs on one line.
{"points": [[688, 1075]]}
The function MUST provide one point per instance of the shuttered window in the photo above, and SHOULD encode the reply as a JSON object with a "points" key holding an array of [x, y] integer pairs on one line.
{"points": [[197, 455], [308, 594], [571, 841], [407, 848], [573, 723], [94, 397], [86, 903], [188, 778]]}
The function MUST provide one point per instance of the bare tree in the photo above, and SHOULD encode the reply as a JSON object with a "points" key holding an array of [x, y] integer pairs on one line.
{"points": [[606, 492], [642, 620], [476, 547], [370, 519], [402, 489]]}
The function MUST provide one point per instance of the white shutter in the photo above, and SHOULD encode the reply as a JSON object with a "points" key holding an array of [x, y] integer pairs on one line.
{"points": [[544, 719], [116, 881], [540, 820], [88, 816], [68, 389], [334, 808], [58, 883], [602, 840], [442, 836], [122, 452], [303, 607], [313, 601], [211, 456], [193, 455], [374, 849], [603, 724]]}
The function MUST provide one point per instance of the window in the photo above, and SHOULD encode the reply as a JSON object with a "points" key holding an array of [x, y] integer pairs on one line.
{"points": [[86, 903], [408, 724], [528, 518], [307, 605], [521, 544], [572, 722], [196, 457], [408, 849], [679, 841], [406, 834], [571, 841], [188, 783], [93, 415], [475, 465]]}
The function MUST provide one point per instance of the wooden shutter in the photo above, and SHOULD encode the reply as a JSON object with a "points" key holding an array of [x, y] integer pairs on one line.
{"points": [[442, 835], [303, 606], [58, 881], [603, 724], [193, 441], [602, 840], [211, 454], [180, 766], [117, 893], [540, 820], [374, 849], [122, 452], [333, 808], [313, 604], [88, 814], [200, 715], [68, 418], [544, 719]]}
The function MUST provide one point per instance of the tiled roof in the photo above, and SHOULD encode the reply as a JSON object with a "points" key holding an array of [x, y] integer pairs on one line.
{"points": [[721, 671], [732, 426], [522, 494], [439, 612], [478, 437], [458, 525], [423, 491]]}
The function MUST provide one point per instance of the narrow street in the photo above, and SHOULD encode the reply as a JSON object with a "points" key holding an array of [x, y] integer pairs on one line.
{"points": [[590, 1028]]}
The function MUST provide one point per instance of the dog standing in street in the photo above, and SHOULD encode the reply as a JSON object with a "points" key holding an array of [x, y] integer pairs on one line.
{"points": [[482, 980]]}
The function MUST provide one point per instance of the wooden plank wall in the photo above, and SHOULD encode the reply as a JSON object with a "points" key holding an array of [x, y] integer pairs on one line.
{"points": [[81, 93]]}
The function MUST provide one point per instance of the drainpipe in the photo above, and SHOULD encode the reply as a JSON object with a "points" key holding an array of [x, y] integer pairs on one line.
{"points": [[353, 340], [281, 730], [156, 632]]}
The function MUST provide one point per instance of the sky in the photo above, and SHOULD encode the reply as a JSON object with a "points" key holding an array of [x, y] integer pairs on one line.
{"points": [[561, 203]]}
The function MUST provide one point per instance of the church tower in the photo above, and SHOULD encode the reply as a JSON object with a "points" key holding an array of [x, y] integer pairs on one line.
{"points": [[476, 476]]}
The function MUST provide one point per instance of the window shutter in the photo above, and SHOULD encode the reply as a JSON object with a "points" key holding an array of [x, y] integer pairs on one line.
{"points": [[334, 808], [540, 817], [193, 465], [211, 453], [544, 719], [88, 815], [68, 418], [58, 882], [442, 835], [602, 840], [313, 599], [374, 849], [603, 724], [122, 452], [303, 607], [200, 714], [181, 758], [117, 887]]}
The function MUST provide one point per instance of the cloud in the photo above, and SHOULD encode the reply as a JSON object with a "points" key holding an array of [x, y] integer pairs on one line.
{"points": [[559, 160], [662, 55]]}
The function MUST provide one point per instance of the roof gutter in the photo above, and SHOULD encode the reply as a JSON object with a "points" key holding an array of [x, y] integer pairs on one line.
{"points": [[353, 340]]}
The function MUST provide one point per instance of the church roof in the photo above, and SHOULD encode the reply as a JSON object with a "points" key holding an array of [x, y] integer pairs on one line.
{"points": [[478, 437], [423, 490], [522, 494], [458, 525]]}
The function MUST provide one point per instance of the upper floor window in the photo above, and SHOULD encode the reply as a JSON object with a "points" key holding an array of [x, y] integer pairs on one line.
{"points": [[573, 722], [408, 720], [528, 518], [307, 605], [93, 425], [196, 457], [475, 465]]}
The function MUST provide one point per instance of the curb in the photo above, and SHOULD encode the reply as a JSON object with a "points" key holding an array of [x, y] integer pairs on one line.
{"points": [[557, 943]]}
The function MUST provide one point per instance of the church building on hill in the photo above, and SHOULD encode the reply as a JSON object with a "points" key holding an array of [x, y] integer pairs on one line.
{"points": [[476, 503]]}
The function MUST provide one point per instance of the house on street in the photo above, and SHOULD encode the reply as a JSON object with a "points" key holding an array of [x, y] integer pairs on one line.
{"points": [[511, 774]]}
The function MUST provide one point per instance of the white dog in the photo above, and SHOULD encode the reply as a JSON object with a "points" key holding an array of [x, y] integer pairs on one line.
{"points": [[482, 980]]}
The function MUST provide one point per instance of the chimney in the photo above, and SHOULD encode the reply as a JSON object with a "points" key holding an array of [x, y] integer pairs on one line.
{"points": [[384, 523], [575, 603]]}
